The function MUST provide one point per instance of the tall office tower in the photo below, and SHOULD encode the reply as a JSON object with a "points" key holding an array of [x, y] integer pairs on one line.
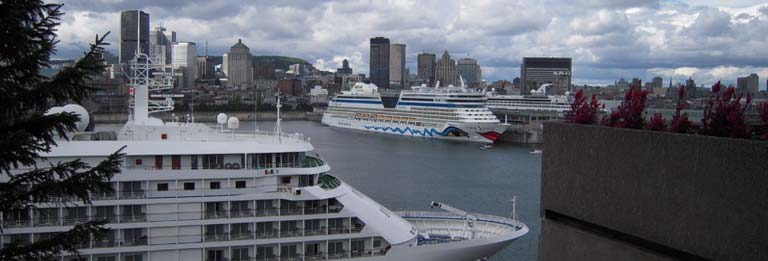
{"points": [[536, 71], [160, 45], [446, 71], [748, 84], [379, 63], [468, 70], [239, 69], [426, 67], [344, 68], [690, 88], [656, 83], [134, 33], [185, 61], [205, 68], [397, 76]]}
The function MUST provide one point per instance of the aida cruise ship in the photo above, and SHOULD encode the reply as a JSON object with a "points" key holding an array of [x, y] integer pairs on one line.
{"points": [[453, 113], [191, 192]]}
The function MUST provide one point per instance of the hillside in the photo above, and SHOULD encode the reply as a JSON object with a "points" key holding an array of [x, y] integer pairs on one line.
{"points": [[280, 62]]}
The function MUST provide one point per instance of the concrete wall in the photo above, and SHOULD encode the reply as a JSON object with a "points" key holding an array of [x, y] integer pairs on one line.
{"points": [[652, 194]]}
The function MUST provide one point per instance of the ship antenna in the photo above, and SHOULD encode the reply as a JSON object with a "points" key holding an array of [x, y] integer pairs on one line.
{"points": [[514, 210], [277, 124], [255, 109]]}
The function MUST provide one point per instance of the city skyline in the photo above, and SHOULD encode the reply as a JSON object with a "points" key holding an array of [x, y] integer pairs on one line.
{"points": [[627, 39]]}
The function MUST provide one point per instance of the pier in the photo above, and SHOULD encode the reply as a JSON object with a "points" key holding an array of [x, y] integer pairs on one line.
{"points": [[525, 127]]}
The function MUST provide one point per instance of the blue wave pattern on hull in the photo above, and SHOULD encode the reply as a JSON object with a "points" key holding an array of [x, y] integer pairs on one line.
{"points": [[425, 132]]}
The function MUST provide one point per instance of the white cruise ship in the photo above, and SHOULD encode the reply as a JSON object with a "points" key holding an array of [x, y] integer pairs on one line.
{"points": [[191, 192], [537, 101], [453, 113]]}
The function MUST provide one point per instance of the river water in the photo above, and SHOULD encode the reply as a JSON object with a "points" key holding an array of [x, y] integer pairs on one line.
{"points": [[405, 173]]}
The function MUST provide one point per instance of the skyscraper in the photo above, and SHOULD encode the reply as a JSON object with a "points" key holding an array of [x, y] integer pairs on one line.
{"points": [[536, 71], [426, 67], [748, 84], [239, 69], [134, 34], [344, 68], [397, 75], [468, 69], [445, 70], [379, 63], [185, 61], [690, 88], [205, 68], [161, 45], [656, 83]]}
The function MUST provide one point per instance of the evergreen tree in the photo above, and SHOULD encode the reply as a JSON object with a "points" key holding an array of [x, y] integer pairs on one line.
{"points": [[28, 29]]}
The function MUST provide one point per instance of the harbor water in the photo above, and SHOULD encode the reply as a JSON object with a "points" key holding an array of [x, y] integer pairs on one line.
{"points": [[405, 173]]}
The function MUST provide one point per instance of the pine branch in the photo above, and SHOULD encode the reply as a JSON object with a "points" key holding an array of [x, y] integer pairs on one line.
{"points": [[62, 180], [25, 138], [65, 242]]}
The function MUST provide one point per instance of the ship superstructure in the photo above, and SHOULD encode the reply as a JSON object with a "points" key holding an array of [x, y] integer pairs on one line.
{"points": [[537, 101], [454, 113], [191, 192]]}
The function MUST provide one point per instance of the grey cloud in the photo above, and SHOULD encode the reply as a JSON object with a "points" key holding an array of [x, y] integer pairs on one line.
{"points": [[711, 22]]}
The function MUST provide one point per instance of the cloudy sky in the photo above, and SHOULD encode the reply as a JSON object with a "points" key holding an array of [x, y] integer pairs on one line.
{"points": [[709, 40]]}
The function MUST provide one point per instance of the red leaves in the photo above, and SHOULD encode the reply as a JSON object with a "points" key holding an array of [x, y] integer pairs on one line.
{"points": [[629, 114], [680, 122], [724, 115], [763, 109], [657, 123], [716, 87], [583, 112]]}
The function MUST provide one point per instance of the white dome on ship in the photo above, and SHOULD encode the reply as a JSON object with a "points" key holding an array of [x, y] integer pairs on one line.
{"points": [[76, 109], [364, 88], [221, 118]]}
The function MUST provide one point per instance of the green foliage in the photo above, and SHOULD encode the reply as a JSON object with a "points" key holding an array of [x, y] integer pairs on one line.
{"points": [[279, 62], [26, 47]]}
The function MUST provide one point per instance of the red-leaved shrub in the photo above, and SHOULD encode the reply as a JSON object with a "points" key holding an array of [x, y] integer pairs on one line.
{"points": [[680, 122], [724, 114], [629, 114], [583, 112], [657, 122]]}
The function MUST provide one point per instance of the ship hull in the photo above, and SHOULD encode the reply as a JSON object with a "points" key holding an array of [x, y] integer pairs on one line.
{"points": [[455, 131]]}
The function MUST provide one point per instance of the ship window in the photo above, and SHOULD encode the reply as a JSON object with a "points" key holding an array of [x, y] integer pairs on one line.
{"points": [[189, 186], [213, 161], [138, 162], [133, 258], [376, 243], [240, 184], [194, 161], [162, 187], [286, 180], [215, 185]]}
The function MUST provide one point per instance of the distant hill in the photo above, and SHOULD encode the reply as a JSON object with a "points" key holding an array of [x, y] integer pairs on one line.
{"points": [[280, 62]]}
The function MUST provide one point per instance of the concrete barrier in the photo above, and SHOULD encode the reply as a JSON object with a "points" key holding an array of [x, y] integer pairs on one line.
{"points": [[619, 194]]}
